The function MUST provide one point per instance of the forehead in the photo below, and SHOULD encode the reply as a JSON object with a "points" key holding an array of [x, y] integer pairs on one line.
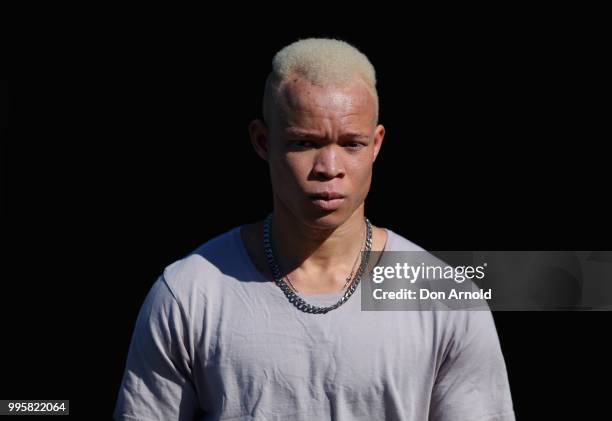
{"points": [[302, 103]]}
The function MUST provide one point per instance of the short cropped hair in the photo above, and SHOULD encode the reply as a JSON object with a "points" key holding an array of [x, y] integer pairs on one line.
{"points": [[321, 61]]}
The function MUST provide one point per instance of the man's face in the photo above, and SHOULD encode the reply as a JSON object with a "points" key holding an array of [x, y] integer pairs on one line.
{"points": [[322, 145]]}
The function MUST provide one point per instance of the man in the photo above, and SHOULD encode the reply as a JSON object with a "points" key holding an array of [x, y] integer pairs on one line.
{"points": [[264, 322]]}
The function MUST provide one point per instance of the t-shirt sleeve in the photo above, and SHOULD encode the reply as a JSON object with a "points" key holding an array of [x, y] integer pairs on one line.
{"points": [[157, 382], [472, 382]]}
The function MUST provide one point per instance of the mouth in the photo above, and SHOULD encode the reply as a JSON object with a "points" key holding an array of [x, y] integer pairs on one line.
{"points": [[327, 195], [328, 201]]}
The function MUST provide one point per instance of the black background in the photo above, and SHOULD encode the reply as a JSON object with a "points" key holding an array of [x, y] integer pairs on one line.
{"points": [[127, 148]]}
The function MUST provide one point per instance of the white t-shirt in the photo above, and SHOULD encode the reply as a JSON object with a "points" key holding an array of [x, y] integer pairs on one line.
{"points": [[217, 340]]}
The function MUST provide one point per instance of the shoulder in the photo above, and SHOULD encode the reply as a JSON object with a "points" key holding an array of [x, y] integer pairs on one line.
{"points": [[205, 268], [396, 242]]}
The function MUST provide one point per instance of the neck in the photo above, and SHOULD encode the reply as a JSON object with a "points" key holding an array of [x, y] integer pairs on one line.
{"points": [[308, 248]]}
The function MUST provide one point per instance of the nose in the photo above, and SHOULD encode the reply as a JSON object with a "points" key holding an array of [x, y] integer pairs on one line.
{"points": [[327, 163]]}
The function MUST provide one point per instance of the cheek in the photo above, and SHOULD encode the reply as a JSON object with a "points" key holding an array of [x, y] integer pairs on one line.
{"points": [[288, 172], [296, 165], [361, 179], [361, 170]]}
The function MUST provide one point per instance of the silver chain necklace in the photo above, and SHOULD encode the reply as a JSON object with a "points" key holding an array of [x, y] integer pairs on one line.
{"points": [[295, 299], [349, 278]]}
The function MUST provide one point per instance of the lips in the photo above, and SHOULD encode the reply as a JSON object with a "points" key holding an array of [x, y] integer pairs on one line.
{"points": [[327, 195], [327, 201]]}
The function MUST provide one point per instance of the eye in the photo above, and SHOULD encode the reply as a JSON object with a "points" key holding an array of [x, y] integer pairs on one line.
{"points": [[353, 145], [303, 144]]}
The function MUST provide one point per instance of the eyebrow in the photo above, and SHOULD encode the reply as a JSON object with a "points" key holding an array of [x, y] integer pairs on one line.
{"points": [[312, 135]]}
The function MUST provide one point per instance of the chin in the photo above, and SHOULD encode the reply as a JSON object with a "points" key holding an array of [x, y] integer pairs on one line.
{"points": [[327, 220], [314, 216]]}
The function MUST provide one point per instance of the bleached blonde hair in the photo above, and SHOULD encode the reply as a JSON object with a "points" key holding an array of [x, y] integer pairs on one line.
{"points": [[321, 61]]}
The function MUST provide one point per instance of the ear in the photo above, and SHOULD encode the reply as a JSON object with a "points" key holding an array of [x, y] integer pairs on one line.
{"points": [[258, 132], [379, 135]]}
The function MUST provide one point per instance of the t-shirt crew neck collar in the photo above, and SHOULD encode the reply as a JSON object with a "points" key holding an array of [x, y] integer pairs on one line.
{"points": [[262, 278]]}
